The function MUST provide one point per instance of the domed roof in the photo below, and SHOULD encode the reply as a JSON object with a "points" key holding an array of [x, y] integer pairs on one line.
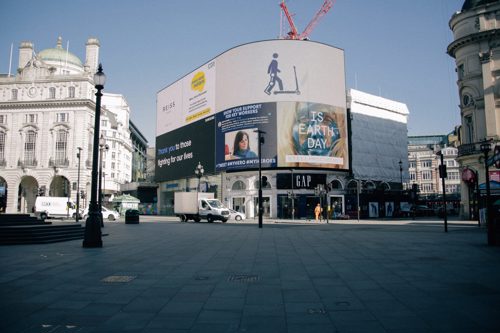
{"points": [[58, 54], [469, 4]]}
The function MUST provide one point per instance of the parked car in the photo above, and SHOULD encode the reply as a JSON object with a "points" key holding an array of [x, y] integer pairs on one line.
{"points": [[234, 215], [423, 210], [111, 215]]}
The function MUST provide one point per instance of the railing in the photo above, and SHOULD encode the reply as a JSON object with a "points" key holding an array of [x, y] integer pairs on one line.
{"points": [[58, 162], [27, 163], [468, 149]]}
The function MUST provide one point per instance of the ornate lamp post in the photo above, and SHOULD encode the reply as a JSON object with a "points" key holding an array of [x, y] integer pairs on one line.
{"points": [[199, 171], [78, 186], [93, 236], [102, 147], [485, 149]]}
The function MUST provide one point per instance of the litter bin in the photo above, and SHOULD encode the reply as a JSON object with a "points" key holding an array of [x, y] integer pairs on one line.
{"points": [[132, 216]]}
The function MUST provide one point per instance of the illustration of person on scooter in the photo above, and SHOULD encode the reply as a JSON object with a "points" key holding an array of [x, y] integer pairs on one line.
{"points": [[273, 71]]}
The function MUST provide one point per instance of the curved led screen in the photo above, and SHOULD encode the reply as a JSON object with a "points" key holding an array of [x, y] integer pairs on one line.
{"points": [[294, 91]]}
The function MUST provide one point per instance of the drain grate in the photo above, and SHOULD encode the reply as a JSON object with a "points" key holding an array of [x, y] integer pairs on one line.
{"points": [[243, 278], [119, 278], [316, 311]]}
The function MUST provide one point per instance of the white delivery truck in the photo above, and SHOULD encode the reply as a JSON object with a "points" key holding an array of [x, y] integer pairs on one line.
{"points": [[197, 206], [54, 207]]}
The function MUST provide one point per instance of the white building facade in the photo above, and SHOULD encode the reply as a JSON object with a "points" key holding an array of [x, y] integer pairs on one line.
{"points": [[47, 113]]}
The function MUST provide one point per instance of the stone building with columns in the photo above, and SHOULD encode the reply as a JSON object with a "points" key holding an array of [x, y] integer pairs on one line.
{"points": [[476, 50], [47, 113]]}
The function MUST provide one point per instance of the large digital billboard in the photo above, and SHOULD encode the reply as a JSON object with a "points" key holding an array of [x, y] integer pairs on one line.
{"points": [[294, 91]]}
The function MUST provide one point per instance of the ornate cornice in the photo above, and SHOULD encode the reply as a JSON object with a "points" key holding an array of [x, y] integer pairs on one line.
{"points": [[472, 38], [47, 104]]}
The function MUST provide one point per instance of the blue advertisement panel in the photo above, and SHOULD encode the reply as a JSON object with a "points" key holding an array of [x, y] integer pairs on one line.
{"points": [[237, 140], [178, 152]]}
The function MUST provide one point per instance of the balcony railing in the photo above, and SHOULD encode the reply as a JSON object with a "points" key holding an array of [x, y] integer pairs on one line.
{"points": [[468, 149], [27, 163], [58, 162]]}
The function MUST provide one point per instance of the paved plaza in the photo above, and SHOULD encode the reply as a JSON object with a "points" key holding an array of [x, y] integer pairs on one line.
{"points": [[166, 276]]}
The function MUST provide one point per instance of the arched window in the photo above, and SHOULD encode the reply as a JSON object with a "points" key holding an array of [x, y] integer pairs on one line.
{"points": [[29, 148], [61, 147], [335, 185], [238, 186], [52, 93], [71, 92]]}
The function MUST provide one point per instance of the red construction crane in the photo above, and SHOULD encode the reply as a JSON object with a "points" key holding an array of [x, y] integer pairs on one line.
{"points": [[293, 34]]}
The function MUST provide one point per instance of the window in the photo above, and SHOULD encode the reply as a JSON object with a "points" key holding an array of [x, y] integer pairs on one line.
{"points": [[426, 187], [104, 123], [52, 93], [426, 163], [469, 129], [112, 175], [31, 118], [61, 147], [29, 148], [62, 117], [14, 94], [450, 163], [454, 175], [412, 164], [3, 118], [113, 144], [113, 155], [2, 146], [113, 165], [427, 175], [461, 71], [71, 92], [238, 185], [413, 176]]}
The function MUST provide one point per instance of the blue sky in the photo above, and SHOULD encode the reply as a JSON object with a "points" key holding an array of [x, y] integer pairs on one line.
{"points": [[393, 48]]}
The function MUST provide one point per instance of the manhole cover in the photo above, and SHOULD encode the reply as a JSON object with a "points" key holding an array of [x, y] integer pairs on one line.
{"points": [[244, 278], [119, 278]]}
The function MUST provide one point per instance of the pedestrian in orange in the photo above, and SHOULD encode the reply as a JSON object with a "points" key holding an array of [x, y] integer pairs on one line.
{"points": [[317, 212]]}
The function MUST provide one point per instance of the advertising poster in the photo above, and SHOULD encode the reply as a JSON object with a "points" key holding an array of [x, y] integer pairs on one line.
{"points": [[178, 152], [237, 141], [190, 99], [312, 135], [389, 209], [373, 209]]}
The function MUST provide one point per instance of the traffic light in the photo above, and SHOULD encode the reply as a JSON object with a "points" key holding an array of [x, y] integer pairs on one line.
{"points": [[264, 182]]}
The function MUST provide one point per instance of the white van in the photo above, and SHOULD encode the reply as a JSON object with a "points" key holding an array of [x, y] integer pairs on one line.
{"points": [[46, 207]]}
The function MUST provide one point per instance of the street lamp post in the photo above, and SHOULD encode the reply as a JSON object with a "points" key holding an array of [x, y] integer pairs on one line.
{"points": [[199, 171], [261, 141], [93, 236], [443, 175], [401, 173], [485, 149], [102, 148], [78, 186]]}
